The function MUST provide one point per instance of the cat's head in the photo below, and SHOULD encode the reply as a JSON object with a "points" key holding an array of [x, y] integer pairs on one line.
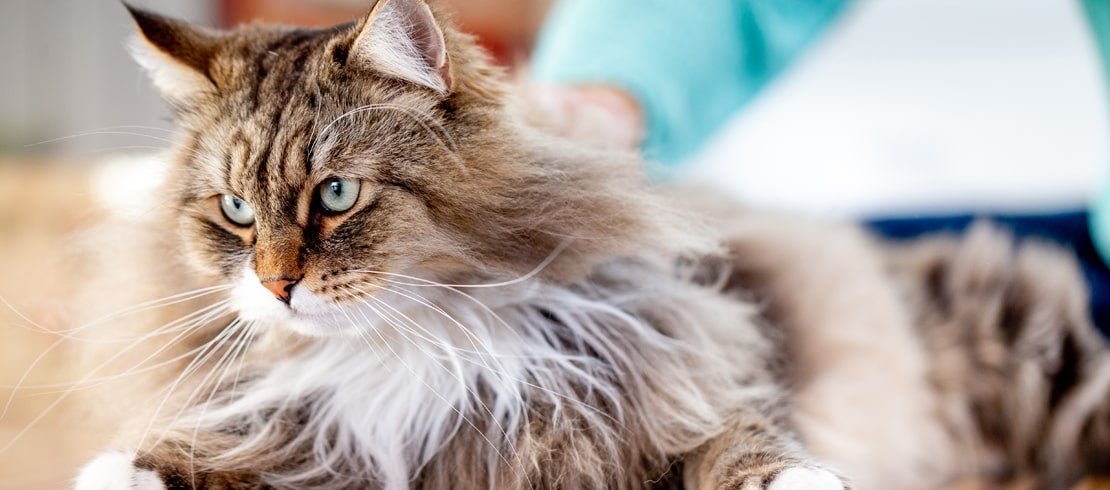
{"points": [[318, 165]]}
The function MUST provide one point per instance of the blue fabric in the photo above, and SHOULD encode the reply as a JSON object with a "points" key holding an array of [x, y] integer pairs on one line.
{"points": [[1068, 229], [690, 64]]}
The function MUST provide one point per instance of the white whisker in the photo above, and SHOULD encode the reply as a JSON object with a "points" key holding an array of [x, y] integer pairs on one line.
{"points": [[451, 150], [454, 358], [99, 133], [426, 282], [240, 344], [191, 323], [462, 417], [211, 347], [501, 371], [60, 399]]}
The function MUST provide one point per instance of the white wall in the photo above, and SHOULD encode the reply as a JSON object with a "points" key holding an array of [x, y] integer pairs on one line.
{"points": [[927, 105]]}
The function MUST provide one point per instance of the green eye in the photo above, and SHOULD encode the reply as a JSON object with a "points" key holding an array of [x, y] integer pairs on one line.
{"points": [[236, 210], [339, 195]]}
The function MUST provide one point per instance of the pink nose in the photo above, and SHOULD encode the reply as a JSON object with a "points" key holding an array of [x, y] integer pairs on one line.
{"points": [[281, 288]]}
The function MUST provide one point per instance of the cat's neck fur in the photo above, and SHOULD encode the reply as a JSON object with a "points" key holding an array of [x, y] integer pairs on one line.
{"points": [[518, 374]]}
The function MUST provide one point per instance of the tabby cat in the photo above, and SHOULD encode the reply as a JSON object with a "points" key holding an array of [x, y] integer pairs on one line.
{"points": [[391, 281]]}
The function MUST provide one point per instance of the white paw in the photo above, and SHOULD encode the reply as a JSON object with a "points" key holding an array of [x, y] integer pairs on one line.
{"points": [[117, 471], [801, 478]]}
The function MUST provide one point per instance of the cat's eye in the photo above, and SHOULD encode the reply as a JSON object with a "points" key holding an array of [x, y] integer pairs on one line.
{"points": [[339, 195], [236, 210]]}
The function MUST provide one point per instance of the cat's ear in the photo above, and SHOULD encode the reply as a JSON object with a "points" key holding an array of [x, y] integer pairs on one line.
{"points": [[177, 55], [400, 38]]}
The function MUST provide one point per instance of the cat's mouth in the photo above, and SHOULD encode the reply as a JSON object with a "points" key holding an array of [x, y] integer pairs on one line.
{"points": [[305, 312], [310, 322]]}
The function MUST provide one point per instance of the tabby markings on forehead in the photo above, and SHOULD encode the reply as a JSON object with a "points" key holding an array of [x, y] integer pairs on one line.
{"points": [[276, 54], [238, 154]]}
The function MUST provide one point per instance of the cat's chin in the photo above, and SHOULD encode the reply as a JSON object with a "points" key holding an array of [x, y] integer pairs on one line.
{"points": [[306, 313], [308, 324], [305, 321], [314, 325]]}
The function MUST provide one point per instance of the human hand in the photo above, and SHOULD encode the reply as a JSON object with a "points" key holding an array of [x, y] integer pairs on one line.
{"points": [[602, 116]]}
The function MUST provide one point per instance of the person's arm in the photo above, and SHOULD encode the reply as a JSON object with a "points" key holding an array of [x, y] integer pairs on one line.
{"points": [[687, 65]]}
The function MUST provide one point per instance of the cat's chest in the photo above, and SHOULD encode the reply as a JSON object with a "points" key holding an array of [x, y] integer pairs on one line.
{"points": [[401, 395]]}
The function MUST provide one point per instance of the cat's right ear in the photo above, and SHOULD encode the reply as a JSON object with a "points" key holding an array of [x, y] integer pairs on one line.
{"points": [[401, 38], [178, 56]]}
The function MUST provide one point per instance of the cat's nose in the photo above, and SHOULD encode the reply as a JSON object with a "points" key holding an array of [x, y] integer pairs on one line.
{"points": [[281, 288]]}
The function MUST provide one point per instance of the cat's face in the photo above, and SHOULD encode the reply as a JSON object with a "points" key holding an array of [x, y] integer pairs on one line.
{"points": [[317, 162], [301, 211], [321, 167]]}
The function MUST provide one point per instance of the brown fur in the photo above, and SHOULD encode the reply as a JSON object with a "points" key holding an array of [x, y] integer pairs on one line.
{"points": [[1024, 379], [904, 367]]}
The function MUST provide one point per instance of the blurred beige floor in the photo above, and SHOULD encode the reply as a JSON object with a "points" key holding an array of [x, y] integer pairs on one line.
{"points": [[42, 204]]}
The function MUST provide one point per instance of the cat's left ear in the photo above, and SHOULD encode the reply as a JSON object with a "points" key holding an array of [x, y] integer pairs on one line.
{"points": [[400, 38], [178, 56]]}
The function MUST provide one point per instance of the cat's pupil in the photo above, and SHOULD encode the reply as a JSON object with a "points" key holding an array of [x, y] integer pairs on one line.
{"points": [[338, 195], [236, 210]]}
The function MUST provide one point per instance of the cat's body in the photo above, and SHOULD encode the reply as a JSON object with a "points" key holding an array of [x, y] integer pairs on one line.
{"points": [[430, 294]]}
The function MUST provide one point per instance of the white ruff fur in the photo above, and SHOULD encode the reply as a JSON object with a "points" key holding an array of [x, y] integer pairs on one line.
{"points": [[391, 390]]}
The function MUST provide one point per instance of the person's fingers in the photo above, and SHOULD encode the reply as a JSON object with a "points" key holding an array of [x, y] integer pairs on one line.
{"points": [[598, 115]]}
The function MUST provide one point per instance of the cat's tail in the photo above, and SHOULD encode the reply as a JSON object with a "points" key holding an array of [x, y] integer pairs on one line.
{"points": [[1023, 375]]}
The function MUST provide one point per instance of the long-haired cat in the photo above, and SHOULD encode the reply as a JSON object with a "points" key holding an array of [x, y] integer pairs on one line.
{"points": [[389, 281]]}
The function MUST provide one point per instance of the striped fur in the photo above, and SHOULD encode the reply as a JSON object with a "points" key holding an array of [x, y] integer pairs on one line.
{"points": [[504, 310]]}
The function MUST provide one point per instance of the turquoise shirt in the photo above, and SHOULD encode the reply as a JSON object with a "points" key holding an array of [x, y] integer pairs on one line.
{"points": [[691, 64], [1098, 13]]}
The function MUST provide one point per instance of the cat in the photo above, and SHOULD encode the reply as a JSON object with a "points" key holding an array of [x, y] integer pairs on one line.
{"points": [[377, 276]]}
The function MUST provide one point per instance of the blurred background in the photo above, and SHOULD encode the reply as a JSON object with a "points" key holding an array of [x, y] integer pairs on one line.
{"points": [[903, 107]]}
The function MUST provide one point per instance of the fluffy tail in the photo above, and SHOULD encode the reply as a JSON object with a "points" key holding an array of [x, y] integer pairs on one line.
{"points": [[1023, 375]]}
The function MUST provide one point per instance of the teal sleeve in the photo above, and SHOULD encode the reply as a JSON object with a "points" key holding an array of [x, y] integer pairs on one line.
{"points": [[690, 64], [1098, 13]]}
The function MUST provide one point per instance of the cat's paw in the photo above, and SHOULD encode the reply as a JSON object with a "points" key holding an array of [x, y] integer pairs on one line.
{"points": [[805, 478], [117, 471], [782, 477]]}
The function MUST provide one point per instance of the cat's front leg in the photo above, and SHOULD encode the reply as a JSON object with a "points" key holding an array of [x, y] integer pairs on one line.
{"points": [[757, 453], [128, 471], [117, 470], [778, 476]]}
